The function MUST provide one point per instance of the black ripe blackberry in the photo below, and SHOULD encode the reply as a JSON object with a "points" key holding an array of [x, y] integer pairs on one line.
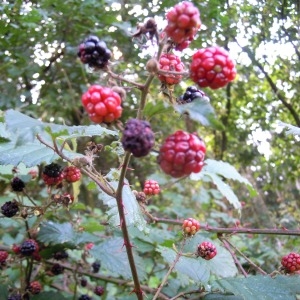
{"points": [[14, 297], [138, 137], [99, 290], [28, 247], [84, 297], [190, 94], [10, 208], [83, 282], [96, 266], [57, 269], [53, 170], [60, 255], [17, 184], [94, 52]]}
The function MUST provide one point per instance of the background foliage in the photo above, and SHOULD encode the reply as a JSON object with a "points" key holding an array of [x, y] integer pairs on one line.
{"points": [[42, 78]]}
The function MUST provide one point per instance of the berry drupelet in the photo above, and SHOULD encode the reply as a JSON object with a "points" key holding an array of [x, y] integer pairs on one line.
{"points": [[191, 94]]}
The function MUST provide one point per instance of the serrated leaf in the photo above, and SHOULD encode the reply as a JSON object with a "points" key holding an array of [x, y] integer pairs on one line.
{"points": [[134, 216], [290, 129], [261, 287], [63, 233], [200, 110], [113, 257], [24, 146], [224, 189]]}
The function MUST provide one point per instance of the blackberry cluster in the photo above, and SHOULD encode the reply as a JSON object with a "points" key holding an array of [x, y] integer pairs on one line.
{"points": [[84, 297], [99, 290], [191, 94], [138, 137], [10, 208], [94, 52], [207, 250], [35, 287], [96, 266], [60, 255], [17, 184], [3, 257], [14, 297], [29, 247], [52, 174], [52, 170], [57, 269], [83, 282]]}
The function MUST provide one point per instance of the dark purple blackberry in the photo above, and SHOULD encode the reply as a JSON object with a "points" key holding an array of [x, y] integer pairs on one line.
{"points": [[57, 269], [83, 282], [85, 297], [14, 297], [28, 247], [96, 266], [17, 184], [138, 137], [10, 208], [94, 52], [53, 170], [99, 290], [60, 255], [190, 94]]}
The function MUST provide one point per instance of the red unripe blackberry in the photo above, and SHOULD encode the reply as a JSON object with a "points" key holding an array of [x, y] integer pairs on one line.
{"points": [[60, 255], [94, 52], [102, 104], [35, 287], [207, 250], [138, 137], [151, 187], [191, 94], [85, 297], [29, 247], [190, 226], [99, 290], [16, 249], [96, 266], [170, 62], [291, 262], [181, 154], [10, 208], [3, 257], [212, 67], [15, 297], [57, 269], [52, 174], [183, 22], [72, 174], [17, 184]]}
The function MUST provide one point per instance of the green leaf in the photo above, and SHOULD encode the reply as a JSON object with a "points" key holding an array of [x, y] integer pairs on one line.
{"points": [[134, 216], [200, 110], [222, 297], [63, 233], [290, 129], [113, 257], [261, 287], [24, 146], [214, 170], [155, 108], [198, 269]]}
